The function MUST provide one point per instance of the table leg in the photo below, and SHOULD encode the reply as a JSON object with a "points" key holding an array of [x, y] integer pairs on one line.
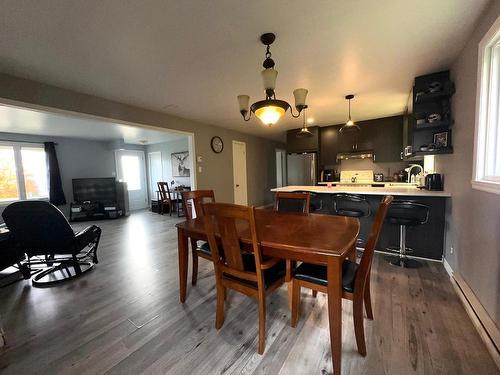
{"points": [[334, 275], [182, 241], [352, 253]]}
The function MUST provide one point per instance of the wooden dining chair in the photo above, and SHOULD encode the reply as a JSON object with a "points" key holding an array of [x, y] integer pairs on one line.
{"points": [[248, 273], [292, 201], [193, 207], [355, 279], [165, 197]]}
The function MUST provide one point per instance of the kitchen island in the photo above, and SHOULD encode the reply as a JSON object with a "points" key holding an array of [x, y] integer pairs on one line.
{"points": [[426, 240]]}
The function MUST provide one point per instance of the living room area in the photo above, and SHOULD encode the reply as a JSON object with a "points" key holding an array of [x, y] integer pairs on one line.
{"points": [[94, 169]]}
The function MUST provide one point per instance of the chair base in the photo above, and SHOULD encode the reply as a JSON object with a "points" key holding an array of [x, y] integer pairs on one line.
{"points": [[62, 272], [403, 262], [397, 249]]}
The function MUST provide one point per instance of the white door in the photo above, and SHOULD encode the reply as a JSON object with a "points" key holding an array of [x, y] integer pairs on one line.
{"points": [[130, 168], [240, 172], [155, 168]]}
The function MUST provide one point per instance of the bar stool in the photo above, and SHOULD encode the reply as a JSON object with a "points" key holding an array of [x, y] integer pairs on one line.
{"points": [[405, 214], [351, 205]]}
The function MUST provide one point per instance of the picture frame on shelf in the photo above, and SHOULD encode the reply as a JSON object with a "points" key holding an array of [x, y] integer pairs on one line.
{"points": [[441, 140]]}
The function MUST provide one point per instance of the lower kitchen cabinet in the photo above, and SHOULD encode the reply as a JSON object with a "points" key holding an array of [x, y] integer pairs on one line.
{"points": [[426, 240]]}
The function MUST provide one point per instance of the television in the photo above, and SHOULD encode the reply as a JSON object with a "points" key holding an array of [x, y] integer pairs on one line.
{"points": [[94, 189]]}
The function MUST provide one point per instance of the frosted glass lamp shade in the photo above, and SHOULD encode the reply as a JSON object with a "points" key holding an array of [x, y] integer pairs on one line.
{"points": [[270, 115], [243, 101], [269, 78], [300, 97]]}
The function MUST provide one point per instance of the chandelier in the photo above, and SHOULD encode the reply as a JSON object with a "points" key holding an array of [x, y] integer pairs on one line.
{"points": [[270, 110]]}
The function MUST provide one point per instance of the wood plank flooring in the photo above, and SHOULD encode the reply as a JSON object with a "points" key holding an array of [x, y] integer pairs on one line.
{"points": [[90, 325]]}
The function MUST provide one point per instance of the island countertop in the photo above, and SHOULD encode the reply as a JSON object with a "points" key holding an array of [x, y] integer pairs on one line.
{"points": [[367, 190]]}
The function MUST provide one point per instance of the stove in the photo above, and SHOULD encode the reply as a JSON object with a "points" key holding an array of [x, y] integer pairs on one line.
{"points": [[356, 177]]}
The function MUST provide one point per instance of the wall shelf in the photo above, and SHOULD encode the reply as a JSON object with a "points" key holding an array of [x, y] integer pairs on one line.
{"points": [[439, 151]]}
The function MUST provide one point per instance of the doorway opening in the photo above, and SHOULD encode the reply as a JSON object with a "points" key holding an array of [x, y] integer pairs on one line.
{"points": [[240, 173]]}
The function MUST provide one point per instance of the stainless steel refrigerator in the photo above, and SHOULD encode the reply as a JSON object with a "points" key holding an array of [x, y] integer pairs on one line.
{"points": [[301, 169]]}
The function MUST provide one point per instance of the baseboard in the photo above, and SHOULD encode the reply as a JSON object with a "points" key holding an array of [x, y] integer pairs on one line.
{"points": [[487, 329]]}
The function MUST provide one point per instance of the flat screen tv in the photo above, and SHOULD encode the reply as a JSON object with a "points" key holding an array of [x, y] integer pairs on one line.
{"points": [[94, 189]]}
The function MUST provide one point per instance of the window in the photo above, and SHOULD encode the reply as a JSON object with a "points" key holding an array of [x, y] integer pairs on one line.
{"points": [[487, 133], [23, 172]]}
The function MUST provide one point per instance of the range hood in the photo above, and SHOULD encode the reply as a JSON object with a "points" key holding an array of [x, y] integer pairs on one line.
{"points": [[366, 154]]}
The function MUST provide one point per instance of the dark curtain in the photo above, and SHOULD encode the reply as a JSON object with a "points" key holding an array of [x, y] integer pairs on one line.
{"points": [[56, 193]]}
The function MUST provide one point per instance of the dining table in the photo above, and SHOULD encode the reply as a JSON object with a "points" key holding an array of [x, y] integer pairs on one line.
{"points": [[312, 238]]}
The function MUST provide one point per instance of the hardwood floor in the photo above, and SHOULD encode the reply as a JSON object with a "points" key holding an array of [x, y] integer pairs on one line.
{"points": [[125, 318]]}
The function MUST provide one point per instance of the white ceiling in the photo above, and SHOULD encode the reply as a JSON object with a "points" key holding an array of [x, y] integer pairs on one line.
{"points": [[192, 58], [27, 121]]}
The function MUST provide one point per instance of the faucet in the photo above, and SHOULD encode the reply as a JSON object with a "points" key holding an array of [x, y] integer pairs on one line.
{"points": [[408, 170]]}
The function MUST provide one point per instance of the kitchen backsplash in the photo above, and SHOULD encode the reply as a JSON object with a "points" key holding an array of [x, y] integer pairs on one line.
{"points": [[359, 164]]}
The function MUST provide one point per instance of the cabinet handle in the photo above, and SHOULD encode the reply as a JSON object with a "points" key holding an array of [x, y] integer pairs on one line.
{"points": [[401, 155], [374, 157]]}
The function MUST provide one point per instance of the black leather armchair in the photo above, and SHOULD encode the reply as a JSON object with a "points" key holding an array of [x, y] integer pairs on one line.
{"points": [[42, 233]]}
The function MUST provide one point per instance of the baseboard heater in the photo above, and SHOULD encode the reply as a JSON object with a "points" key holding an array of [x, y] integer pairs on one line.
{"points": [[487, 329]]}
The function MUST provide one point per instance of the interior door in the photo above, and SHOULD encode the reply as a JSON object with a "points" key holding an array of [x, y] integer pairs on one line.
{"points": [[130, 168], [240, 172], [155, 168]]}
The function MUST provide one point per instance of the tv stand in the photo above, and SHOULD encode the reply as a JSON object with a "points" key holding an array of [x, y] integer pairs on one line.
{"points": [[81, 211]]}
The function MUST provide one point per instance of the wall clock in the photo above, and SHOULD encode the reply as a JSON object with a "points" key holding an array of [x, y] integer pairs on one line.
{"points": [[217, 144]]}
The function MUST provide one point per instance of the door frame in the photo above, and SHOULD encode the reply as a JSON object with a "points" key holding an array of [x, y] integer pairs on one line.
{"points": [[144, 178], [234, 170], [150, 183]]}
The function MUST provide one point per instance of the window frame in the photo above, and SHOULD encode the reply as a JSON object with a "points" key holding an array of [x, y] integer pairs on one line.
{"points": [[489, 42], [21, 185]]}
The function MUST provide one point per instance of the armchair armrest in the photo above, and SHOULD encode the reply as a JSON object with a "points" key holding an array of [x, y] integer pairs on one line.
{"points": [[86, 236]]}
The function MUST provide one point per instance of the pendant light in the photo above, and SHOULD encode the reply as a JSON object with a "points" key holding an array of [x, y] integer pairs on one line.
{"points": [[349, 125], [270, 110], [304, 132]]}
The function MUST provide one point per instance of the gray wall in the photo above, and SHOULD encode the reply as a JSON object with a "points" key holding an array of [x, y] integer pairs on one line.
{"points": [[217, 173], [166, 149], [473, 228], [78, 158]]}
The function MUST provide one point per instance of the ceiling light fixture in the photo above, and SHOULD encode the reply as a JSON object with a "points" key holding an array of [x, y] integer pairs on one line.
{"points": [[270, 110], [304, 132], [349, 125]]}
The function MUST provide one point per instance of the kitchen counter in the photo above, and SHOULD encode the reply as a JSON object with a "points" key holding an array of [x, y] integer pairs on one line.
{"points": [[427, 240], [367, 190]]}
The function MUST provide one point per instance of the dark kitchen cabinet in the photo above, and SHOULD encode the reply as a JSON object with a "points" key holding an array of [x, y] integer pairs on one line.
{"points": [[329, 140], [296, 144], [387, 138], [383, 136]]}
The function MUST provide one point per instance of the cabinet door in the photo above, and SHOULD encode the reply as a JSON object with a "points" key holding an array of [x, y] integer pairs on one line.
{"points": [[388, 139], [329, 145], [306, 144]]}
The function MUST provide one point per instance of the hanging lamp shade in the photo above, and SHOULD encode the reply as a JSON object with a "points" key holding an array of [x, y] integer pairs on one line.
{"points": [[349, 125], [270, 115], [269, 78]]}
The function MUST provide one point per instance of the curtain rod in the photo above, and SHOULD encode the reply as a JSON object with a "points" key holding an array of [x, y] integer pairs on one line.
{"points": [[13, 141]]}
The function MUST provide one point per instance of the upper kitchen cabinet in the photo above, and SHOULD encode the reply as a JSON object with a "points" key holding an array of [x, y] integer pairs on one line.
{"points": [[383, 136], [296, 144], [386, 137]]}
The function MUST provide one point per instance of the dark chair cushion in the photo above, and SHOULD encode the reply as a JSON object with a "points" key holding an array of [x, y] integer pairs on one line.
{"points": [[317, 274], [205, 249], [271, 275], [403, 221], [350, 212]]}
